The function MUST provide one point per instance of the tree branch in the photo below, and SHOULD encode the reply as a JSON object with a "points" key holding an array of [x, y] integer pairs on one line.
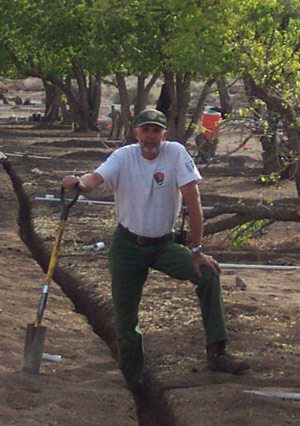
{"points": [[241, 212]]}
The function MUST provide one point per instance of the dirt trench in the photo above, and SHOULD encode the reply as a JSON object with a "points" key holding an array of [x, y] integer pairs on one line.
{"points": [[151, 406], [180, 390]]}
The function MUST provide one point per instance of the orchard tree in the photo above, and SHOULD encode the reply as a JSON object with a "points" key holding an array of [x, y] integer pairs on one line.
{"points": [[266, 44], [180, 42], [59, 44], [258, 41], [133, 54], [197, 50]]}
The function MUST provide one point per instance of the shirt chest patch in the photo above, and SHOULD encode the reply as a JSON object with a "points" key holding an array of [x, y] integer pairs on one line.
{"points": [[159, 178]]}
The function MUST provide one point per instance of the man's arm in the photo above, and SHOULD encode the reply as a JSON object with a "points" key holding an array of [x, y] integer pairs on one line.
{"points": [[86, 182], [191, 196]]}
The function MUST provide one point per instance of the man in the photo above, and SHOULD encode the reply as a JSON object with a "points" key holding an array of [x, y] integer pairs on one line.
{"points": [[149, 180]]}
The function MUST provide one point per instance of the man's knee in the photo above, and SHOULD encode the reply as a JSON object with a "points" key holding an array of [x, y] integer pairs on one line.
{"points": [[208, 281], [207, 276]]}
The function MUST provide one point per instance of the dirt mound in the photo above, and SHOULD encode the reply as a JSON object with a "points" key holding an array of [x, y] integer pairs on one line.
{"points": [[86, 388]]}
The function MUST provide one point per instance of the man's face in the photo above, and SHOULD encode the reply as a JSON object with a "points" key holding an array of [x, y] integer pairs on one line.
{"points": [[150, 137]]}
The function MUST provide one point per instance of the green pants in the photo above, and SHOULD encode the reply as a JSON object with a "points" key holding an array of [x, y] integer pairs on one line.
{"points": [[129, 266]]}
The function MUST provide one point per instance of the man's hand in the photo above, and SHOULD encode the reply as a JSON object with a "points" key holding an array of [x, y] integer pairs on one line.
{"points": [[70, 182], [200, 259], [87, 182]]}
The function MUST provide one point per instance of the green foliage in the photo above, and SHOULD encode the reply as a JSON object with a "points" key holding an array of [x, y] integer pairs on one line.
{"points": [[202, 39], [244, 233], [266, 38], [46, 40], [129, 37], [271, 179], [201, 43]]}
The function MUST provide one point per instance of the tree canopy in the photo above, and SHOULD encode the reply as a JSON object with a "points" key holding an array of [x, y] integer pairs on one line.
{"points": [[87, 40]]}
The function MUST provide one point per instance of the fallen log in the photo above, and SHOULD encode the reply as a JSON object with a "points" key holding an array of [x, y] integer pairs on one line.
{"points": [[281, 213], [240, 212]]}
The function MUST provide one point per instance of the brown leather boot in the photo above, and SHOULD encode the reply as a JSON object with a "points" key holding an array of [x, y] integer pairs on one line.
{"points": [[219, 360]]}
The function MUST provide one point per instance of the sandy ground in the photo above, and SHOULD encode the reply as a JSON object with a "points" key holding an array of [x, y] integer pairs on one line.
{"points": [[67, 393], [86, 388]]}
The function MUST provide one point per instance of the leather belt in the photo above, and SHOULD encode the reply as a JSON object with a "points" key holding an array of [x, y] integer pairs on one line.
{"points": [[144, 240]]}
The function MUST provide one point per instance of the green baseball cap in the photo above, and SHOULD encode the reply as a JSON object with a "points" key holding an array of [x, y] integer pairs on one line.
{"points": [[151, 116]]}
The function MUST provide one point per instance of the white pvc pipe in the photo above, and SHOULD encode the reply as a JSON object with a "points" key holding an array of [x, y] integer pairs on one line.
{"points": [[40, 157], [86, 200], [273, 394], [245, 266], [109, 203], [222, 265], [51, 358]]}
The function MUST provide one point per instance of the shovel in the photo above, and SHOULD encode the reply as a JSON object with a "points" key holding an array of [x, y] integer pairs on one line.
{"points": [[35, 333]]}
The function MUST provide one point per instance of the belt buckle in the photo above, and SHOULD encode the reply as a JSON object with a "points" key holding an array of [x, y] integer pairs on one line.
{"points": [[141, 240]]}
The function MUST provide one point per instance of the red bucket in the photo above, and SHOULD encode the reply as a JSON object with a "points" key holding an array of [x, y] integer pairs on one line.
{"points": [[210, 121]]}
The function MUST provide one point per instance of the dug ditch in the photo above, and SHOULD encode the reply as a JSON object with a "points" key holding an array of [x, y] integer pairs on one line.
{"points": [[263, 320], [152, 408]]}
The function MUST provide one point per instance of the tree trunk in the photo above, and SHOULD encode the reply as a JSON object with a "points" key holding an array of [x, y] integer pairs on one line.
{"points": [[141, 100], [183, 84], [141, 95], [52, 106], [94, 96], [178, 87], [277, 107], [269, 155], [84, 114], [125, 104], [83, 104], [65, 87], [225, 102], [55, 106], [199, 109], [172, 116], [66, 109], [164, 102], [294, 141]]}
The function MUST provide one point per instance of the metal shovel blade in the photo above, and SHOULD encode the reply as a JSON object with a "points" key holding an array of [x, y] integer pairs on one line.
{"points": [[33, 350]]}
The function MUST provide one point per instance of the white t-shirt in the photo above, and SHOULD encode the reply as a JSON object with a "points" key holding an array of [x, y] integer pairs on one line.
{"points": [[147, 194]]}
